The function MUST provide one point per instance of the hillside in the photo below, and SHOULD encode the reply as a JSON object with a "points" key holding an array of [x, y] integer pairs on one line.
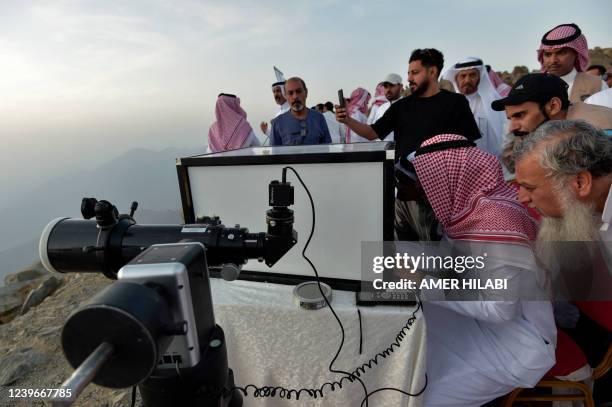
{"points": [[601, 56], [18, 257], [146, 176]]}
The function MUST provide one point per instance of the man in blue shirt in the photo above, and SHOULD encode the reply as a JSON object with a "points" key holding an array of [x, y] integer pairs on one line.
{"points": [[300, 125]]}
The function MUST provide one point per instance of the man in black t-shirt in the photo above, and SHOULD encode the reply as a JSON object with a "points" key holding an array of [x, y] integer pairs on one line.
{"points": [[426, 112]]}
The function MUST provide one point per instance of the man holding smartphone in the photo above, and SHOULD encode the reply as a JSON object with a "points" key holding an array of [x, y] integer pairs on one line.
{"points": [[426, 112], [300, 125]]}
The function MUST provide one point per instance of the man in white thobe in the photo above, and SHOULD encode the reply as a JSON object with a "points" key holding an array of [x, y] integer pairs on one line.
{"points": [[278, 90], [470, 78], [490, 341]]}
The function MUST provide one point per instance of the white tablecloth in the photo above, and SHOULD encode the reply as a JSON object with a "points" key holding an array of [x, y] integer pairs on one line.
{"points": [[271, 341]]}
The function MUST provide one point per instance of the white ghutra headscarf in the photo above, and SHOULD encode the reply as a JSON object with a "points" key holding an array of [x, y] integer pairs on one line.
{"points": [[492, 124]]}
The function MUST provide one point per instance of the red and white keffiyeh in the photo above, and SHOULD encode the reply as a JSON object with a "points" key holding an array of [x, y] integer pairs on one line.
{"points": [[358, 101], [578, 44], [379, 95], [500, 86], [466, 189], [231, 129]]}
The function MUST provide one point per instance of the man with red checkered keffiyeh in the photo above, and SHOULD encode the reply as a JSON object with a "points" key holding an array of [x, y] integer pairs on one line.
{"points": [[564, 52], [482, 348], [231, 130]]}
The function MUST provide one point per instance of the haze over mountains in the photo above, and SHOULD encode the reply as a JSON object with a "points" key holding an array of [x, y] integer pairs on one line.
{"points": [[142, 175]]}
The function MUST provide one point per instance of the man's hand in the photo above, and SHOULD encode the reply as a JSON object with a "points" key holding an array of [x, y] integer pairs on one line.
{"points": [[341, 115], [264, 127], [361, 129]]}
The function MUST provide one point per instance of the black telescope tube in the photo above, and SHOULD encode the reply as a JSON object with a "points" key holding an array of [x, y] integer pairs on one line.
{"points": [[78, 245]]}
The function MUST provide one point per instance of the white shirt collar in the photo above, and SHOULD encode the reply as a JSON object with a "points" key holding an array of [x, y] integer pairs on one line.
{"points": [[570, 77], [472, 96]]}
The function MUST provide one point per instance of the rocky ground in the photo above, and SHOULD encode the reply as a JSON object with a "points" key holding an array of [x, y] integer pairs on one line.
{"points": [[30, 352]]}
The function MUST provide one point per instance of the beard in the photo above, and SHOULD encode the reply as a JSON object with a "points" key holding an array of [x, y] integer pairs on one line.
{"points": [[579, 223], [391, 96], [420, 88], [297, 106], [468, 89], [562, 247]]}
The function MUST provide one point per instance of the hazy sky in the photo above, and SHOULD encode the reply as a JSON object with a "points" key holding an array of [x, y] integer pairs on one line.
{"points": [[83, 81]]}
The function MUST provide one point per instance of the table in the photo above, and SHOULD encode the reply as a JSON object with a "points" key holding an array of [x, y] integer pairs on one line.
{"points": [[271, 341]]}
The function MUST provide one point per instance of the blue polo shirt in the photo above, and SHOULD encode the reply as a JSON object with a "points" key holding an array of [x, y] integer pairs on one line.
{"points": [[287, 130]]}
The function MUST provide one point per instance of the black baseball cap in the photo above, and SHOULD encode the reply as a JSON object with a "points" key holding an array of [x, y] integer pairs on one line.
{"points": [[534, 87]]}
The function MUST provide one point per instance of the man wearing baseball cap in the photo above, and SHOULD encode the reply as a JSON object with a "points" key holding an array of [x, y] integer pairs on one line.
{"points": [[392, 84], [564, 53], [539, 97]]}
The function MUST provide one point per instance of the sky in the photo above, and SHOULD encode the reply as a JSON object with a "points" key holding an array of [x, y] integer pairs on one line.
{"points": [[84, 81]]}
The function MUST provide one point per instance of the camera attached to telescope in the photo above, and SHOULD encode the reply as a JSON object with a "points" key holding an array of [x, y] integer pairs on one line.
{"points": [[155, 327]]}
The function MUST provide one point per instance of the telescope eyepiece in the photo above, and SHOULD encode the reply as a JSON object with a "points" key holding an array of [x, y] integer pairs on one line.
{"points": [[106, 214], [88, 207]]}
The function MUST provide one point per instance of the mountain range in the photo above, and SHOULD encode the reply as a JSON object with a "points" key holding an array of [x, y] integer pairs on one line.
{"points": [[146, 176]]}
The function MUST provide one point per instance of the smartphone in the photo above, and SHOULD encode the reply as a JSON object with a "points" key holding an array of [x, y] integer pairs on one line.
{"points": [[341, 100]]}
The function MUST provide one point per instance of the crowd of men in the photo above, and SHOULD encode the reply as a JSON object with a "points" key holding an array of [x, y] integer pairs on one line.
{"points": [[478, 160]]}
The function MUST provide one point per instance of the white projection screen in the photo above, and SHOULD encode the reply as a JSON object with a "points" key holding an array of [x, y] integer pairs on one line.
{"points": [[352, 186]]}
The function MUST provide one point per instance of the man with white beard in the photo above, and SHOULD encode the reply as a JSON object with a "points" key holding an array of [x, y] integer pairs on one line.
{"points": [[470, 78], [564, 170]]}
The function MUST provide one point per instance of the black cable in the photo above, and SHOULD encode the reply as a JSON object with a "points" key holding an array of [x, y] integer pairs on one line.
{"points": [[312, 229], [387, 352], [360, 332], [270, 391]]}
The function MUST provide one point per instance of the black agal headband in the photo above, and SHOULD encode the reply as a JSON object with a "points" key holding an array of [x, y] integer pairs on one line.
{"points": [[407, 165], [577, 33], [445, 145], [468, 64]]}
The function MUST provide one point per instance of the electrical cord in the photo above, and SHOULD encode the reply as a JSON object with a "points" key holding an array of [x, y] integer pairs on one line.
{"points": [[360, 332], [387, 352], [273, 391], [312, 229]]}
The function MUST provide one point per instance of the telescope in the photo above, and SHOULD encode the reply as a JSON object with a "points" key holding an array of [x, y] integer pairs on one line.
{"points": [[155, 326]]}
